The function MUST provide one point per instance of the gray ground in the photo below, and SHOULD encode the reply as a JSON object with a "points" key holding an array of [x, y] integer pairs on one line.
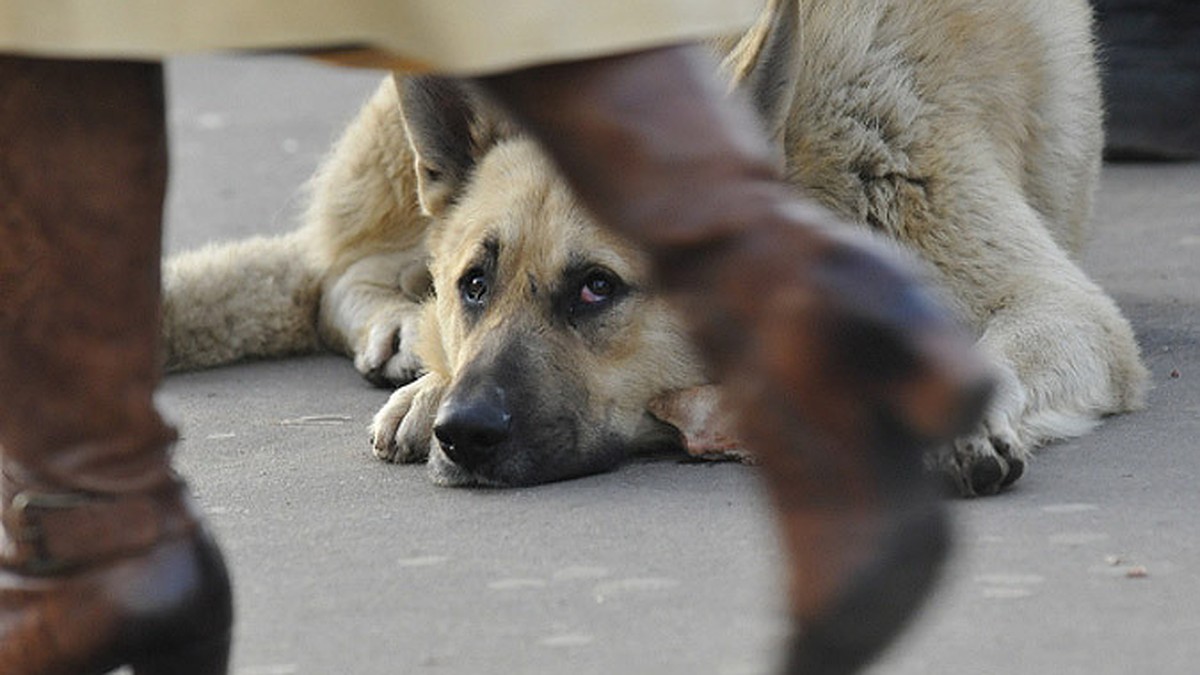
{"points": [[347, 565]]}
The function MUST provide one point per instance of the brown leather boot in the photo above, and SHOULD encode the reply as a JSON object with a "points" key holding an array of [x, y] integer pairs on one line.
{"points": [[840, 367], [103, 562]]}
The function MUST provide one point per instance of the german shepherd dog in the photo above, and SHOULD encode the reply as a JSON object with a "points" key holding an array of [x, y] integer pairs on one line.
{"points": [[442, 251]]}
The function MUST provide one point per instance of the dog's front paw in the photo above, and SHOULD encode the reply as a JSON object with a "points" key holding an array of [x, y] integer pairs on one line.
{"points": [[403, 428], [384, 354]]}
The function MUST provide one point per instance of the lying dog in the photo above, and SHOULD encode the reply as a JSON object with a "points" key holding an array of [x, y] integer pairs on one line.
{"points": [[441, 245]]}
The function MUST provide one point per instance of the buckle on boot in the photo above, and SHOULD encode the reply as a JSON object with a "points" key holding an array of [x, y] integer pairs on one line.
{"points": [[34, 552], [55, 532]]}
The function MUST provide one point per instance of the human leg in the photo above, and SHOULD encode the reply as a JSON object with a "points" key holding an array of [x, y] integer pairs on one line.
{"points": [[104, 562]]}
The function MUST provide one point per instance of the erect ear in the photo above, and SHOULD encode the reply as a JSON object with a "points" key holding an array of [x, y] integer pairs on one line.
{"points": [[765, 65], [440, 118]]}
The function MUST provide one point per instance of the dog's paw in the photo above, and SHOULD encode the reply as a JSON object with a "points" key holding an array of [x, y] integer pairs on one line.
{"points": [[991, 457], [384, 355], [403, 428], [982, 463]]}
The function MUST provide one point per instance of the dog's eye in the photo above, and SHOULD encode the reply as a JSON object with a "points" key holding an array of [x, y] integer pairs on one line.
{"points": [[589, 292], [473, 287], [597, 288]]}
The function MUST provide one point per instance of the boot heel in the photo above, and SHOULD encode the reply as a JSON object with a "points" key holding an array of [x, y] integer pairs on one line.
{"points": [[206, 657]]}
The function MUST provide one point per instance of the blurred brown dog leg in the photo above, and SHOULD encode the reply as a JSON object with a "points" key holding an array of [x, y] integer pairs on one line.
{"points": [[840, 367]]}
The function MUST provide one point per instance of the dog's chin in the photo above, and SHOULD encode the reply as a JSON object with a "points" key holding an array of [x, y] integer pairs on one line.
{"points": [[522, 471], [444, 472]]}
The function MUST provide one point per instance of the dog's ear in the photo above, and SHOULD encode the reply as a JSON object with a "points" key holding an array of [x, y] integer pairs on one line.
{"points": [[440, 118], [765, 65]]}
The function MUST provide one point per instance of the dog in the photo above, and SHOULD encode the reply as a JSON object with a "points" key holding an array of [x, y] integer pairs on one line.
{"points": [[443, 253]]}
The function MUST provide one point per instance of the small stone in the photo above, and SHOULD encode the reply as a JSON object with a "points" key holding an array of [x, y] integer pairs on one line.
{"points": [[1137, 572]]}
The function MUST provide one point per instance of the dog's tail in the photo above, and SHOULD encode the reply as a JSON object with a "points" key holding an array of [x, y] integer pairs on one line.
{"points": [[255, 298]]}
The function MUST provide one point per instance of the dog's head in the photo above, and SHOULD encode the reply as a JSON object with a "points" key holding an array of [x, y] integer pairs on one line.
{"points": [[545, 337], [543, 328]]}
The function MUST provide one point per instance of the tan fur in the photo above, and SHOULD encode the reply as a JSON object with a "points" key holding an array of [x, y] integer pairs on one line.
{"points": [[227, 302], [968, 131]]}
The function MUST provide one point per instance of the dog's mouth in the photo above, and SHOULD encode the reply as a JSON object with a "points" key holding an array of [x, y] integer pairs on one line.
{"points": [[533, 453]]}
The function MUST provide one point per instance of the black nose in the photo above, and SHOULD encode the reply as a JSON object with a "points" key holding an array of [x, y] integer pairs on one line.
{"points": [[470, 427]]}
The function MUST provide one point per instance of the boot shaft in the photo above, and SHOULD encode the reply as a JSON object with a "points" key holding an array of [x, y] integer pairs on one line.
{"points": [[82, 182]]}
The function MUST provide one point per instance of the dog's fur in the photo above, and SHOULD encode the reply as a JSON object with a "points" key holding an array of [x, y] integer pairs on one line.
{"points": [[968, 131]]}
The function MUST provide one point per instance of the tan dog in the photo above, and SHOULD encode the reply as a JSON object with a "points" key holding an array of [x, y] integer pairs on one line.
{"points": [[966, 131]]}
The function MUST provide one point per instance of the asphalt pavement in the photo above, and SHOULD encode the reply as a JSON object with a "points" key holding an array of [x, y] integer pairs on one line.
{"points": [[345, 565]]}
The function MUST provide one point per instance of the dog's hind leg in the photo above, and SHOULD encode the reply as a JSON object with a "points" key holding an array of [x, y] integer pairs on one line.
{"points": [[1061, 351], [1064, 354]]}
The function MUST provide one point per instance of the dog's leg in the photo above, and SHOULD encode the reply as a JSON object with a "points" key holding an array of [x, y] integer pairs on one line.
{"points": [[366, 232], [1063, 353], [368, 313], [838, 363]]}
